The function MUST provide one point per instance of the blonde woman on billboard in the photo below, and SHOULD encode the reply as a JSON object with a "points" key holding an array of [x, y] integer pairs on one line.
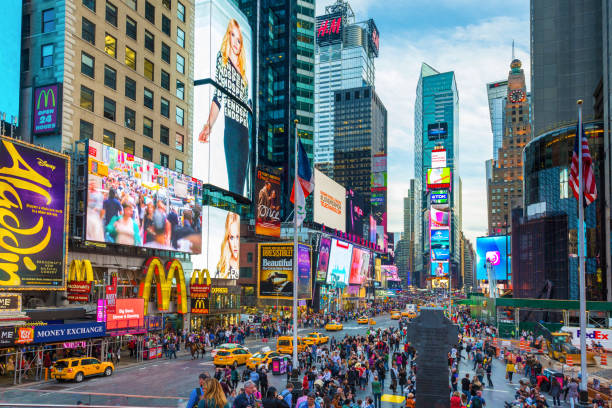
{"points": [[227, 268], [231, 75]]}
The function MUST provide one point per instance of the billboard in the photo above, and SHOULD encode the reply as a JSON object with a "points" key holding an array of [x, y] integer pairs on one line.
{"points": [[339, 262], [440, 236], [437, 131], [379, 180], [438, 158], [372, 235], [373, 37], [267, 197], [378, 206], [495, 249], [439, 178], [10, 57], [379, 163], [360, 266], [132, 201], [355, 213], [223, 94], [129, 315], [439, 219], [439, 198], [220, 242], [34, 216], [46, 112], [440, 254], [329, 28], [323, 263], [439, 269], [329, 202], [275, 272]]}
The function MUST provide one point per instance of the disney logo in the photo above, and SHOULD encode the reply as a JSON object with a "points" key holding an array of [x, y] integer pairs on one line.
{"points": [[44, 163]]}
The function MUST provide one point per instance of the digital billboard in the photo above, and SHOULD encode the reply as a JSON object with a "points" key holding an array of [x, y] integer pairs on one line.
{"points": [[494, 250], [339, 262], [372, 231], [437, 131], [439, 178], [223, 95], [373, 37], [128, 315], [220, 242], [439, 198], [378, 206], [357, 264], [328, 28], [438, 158], [439, 269], [267, 197], [379, 180], [355, 213], [377, 272], [323, 262], [34, 216], [304, 272], [132, 201], [440, 254], [10, 57], [439, 219], [329, 202], [47, 107], [275, 271], [440, 236]]}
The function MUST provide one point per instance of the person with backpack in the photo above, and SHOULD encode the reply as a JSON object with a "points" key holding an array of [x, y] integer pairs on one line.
{"points": [[477, 401], [196, 393], [287, 394]]}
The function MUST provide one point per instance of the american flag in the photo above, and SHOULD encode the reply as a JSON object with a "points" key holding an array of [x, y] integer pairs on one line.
{"points": [[588, 177]]}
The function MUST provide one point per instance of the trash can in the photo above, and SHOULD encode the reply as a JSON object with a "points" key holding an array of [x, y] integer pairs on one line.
{"points": [[280, 364]]}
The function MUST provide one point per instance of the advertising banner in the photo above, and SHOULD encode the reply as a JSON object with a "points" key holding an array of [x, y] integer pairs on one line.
{"points": [[35, 199], [440, 254], [134, 202], [153, 323], [329, 28], [439, 236], [101, 311], [221, 243], [439, 269], [439, 219], [438, 158], [377, 271], [129, 316], [323, 263], [200, 305], [378, 203], [304, 272], [24, 335], [439, 198], [495, 250], [63, 332], [329, 202], [110, 298], [355, 214], [222, 121], [339, 263], [437, 131], [10, 302], [597, 335], [439, 178], [379, 180], [46, 113], [360, 266], [7, 336], [390, 272], [275, 274], [372, 235], [267, 197]]}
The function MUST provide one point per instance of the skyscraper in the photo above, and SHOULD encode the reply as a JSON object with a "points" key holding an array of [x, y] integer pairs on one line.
{"points": [[496, 94], [436, 146], [344, 59]]}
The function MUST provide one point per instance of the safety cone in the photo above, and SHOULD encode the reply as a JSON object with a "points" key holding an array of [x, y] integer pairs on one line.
{"points": [[604, 359]]}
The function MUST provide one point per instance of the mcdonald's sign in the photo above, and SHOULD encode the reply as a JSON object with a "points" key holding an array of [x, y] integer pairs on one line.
{"points": [[197, 287], [164, 275], [47, 102], [199, 305], [80, 278]]}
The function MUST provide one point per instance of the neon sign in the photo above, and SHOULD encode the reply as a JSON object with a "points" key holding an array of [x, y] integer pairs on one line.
{"points": [[164, 278], [46, 109], [329, 29]]}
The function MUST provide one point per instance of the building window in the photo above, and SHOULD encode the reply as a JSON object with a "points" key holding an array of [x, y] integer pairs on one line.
{"points": [[88, 31], [111, 14], [149, 70], [147, 153], [180, 140], [165, 52], [90, 4], [249, 257], [180, 90], [129, 146], [87, 98], [110, 45], [164, 108], [130, 58], [148, 98], [147, 127], [25, 25], [180, 116], [167, 4], [178, 166], [87, 64], [150, 12], [164, 135], [149, 41], [108, 138], [46, 56], [166, 25], [110, 109], [133, 4], [85, 130], [180, 37], [164, 160], [180, 63], [130, 88], [25, 59], [165, 80], [246, 272], [129, 118], [48, 21], [110, 77], [563, 183], [130, 27], [180, 11]]}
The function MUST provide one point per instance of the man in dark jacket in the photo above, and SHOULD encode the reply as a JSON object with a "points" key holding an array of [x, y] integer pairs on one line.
{"points": [[247, 398]]}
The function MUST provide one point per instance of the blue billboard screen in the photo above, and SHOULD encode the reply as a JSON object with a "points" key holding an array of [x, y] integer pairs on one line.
{"points": [[493, 249]]}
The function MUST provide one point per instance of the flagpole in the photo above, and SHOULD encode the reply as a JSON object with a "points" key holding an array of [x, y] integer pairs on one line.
{"points": [[581, 249], [295, 246]]}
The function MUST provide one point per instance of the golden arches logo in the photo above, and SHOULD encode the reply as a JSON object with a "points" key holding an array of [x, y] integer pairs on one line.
{"points": [[197, 278], [45, 94], [80, 270], [164, 275]]}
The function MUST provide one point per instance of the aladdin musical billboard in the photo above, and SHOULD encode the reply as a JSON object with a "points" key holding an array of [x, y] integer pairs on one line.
{"points": [[275, 275], [35, 198], [267, 197]]}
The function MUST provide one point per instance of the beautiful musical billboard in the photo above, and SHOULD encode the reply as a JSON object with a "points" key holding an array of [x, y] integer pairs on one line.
{"points": [[223, 95], [132, 201], [34, 183], [275, 271], [339, 262], [323, 263], [495, 250], [267, 199], [329, 202]]}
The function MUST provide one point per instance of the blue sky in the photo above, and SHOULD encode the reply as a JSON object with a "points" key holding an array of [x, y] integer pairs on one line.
{"points": [[472, 38]]}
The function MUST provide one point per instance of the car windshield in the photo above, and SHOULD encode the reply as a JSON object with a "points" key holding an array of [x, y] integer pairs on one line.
{"points": [[223, 353], [283, 342], [61, 364]]}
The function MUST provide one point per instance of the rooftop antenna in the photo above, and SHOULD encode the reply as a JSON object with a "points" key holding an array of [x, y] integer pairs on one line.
{"points": [[512, 50]]}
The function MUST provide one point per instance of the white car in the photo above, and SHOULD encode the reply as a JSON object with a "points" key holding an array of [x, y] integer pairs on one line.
{"points": [[227, 346]]}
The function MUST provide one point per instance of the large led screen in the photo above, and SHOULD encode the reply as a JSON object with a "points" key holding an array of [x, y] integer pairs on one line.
{"points": [[222, 118], [329, 202], [323, 263], [339, 262], [360, 266], [267, 199], [439, 178], [355, 214], [493, 249], [275, 274], [34, 216], [439, 219], [221, 243], [304, 272], [437, 131], [132, 201], [439, 236], [439, 269]]}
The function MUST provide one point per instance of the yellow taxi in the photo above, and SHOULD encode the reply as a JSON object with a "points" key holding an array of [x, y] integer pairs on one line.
{"points": [[227, 346], [362, 320], [396, 316], [315, 338], [234, 357], [284, 344], [263, 357], [78, 368], [333, 326]]}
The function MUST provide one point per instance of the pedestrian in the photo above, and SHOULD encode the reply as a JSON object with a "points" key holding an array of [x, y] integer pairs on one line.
{"points": [[274, 400], [234, 377], [197, 392], [246, 398], [287, 394], [410, 402], [489, 369], [572, 392], [214, 396], [376, 391], [455, 401], [555, 392], [509, 370]]}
